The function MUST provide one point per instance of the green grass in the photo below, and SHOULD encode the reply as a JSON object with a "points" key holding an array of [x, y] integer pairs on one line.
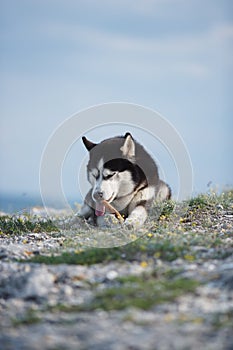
{"points": [[29, 318], [206, 205], [142, 292], [175, 234], [87, 257], [221, 320], [142, 249], [17, 225], [212, 199], [168, 246]]}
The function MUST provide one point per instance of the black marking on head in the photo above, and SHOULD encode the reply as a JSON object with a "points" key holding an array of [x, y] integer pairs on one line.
{"points": [[145, 168], [121, 164], [109, 176], [88, 144]]}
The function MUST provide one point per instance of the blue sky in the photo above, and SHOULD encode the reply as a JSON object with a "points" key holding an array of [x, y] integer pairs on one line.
{"points": [[59, 57]]}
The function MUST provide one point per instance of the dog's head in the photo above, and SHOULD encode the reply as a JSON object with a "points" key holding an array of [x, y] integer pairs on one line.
{"points": [[110, 167]]}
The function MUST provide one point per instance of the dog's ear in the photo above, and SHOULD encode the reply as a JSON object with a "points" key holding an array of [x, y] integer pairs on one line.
{"points": [[128, 134], [88, 144], [128, 148]]}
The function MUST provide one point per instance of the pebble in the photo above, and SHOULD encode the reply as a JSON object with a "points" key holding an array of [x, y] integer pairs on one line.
{"points": [[111, 275]]}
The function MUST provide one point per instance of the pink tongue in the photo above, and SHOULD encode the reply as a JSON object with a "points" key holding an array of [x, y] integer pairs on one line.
{"points": [[99, 209]]}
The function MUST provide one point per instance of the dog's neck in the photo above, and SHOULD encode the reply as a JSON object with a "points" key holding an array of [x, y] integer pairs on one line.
{"points": [[121, 203]]}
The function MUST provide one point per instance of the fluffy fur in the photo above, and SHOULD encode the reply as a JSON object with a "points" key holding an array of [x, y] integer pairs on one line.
{"points": [[122, 172]]}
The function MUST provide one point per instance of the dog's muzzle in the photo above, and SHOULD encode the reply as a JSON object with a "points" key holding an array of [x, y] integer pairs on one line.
{"points": [[98, 195]]}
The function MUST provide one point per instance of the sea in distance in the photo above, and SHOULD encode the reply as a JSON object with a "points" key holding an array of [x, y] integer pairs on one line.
{"points": [[15, 203]]}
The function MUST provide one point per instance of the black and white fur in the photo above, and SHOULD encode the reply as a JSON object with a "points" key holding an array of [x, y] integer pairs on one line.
{"points": [[123, 173]]}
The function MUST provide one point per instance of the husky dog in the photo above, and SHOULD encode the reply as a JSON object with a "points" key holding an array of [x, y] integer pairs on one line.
{"points": [[121, 172]]}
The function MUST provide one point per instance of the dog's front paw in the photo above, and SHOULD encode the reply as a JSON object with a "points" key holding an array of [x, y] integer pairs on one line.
{"points": [[133, 223], [108, 221], [129, 224]]}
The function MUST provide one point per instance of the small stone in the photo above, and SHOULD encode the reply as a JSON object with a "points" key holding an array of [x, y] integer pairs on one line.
{"points": [[111, 275], [36, 252], [68, 291], [37, 283], [211, 267]]}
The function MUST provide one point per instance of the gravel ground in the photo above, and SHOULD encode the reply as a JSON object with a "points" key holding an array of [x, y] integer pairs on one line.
{"points": [[41, 305]]}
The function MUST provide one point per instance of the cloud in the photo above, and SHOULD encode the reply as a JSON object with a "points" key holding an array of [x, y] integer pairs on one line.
{"points": [[97, 46], [223, 32], [182, 43], [190, 54]]}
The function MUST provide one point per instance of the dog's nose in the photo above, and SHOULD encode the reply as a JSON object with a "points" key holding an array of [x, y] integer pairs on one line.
{"points": [[98, 195]]}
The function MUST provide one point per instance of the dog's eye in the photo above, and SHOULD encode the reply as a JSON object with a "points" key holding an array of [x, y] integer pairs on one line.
{"points": [[96, 174], [109, 176], [95, 177]]}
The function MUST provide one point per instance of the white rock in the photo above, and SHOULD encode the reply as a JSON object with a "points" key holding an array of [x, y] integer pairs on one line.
{"points": [[38, 284], [111, 275]]}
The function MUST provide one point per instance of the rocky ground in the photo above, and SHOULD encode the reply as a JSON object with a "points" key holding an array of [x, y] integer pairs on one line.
{"points": [[170, 289]]}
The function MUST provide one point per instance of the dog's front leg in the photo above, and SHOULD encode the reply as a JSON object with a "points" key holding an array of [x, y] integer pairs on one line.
{"points": [[137, 217], [87, 209]]}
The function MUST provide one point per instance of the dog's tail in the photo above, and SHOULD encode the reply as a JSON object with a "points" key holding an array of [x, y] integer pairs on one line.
{"points": [[163, 191]]}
